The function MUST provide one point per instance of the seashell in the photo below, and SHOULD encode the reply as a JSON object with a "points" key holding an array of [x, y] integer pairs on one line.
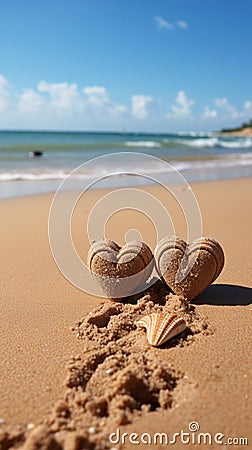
{"points": [[161, 327], [189, 268], [120, 271]]}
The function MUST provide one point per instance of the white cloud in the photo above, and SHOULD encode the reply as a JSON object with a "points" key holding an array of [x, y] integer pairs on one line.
{"points": [[96, 91], [226, 114], [247, 105], [140, 106], [63, 96], [98, 102], [183, 105], [224, 105], [162, 23], [4, 93], [4, 84], [209, 113], [30, 101], [64, 105], [182, 24], [96, 96], [93, 100], [221, 102]]}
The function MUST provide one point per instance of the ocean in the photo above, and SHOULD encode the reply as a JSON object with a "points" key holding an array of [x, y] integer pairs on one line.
{"points": [[197, 156]]}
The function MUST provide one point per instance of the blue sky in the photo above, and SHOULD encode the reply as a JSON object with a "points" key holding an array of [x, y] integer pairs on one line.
{"points": [[151, 65]]}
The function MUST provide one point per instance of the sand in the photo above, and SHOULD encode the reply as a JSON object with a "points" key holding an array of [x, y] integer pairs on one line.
{"points": [[244, 132], [69, 377]]}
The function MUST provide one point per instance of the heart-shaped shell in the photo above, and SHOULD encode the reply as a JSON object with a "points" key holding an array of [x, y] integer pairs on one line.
{"points": [[120, 271], [189, 268]]}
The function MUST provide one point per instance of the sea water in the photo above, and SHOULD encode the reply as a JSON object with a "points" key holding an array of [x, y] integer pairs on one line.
{"points": [[197, 156]]}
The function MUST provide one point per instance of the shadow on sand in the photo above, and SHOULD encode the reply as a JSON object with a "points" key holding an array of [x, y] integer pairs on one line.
{"points": [[225, 294]]}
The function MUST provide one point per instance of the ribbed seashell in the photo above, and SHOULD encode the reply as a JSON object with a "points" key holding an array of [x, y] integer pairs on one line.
{"points": [[120, 271], [189, 268], [161, 327]]}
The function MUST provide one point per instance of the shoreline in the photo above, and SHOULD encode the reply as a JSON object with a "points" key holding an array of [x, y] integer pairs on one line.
{"points": [[82, 158], [245, 132], [25, 188], [41, 307]]}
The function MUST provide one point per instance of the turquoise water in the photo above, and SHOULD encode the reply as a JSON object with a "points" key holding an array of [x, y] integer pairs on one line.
{"points": [[198, 156]]}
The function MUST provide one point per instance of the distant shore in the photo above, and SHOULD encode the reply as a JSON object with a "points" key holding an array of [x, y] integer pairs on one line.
{"points": [[243, 132]]}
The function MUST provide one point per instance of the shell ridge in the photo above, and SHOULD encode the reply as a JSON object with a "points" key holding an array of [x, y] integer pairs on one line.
{"points": [[165, 328], [161, 327]]}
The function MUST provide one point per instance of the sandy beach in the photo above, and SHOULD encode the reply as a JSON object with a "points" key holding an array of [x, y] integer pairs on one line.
{"points": [[244, 132], [44, 349]]}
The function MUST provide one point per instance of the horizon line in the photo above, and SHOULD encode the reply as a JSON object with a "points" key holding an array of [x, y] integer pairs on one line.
{"points": [[122, 131]]}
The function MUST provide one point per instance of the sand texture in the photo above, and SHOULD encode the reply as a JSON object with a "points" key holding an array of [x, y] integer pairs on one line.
{"points": [[76, 368], [244, 132]]}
